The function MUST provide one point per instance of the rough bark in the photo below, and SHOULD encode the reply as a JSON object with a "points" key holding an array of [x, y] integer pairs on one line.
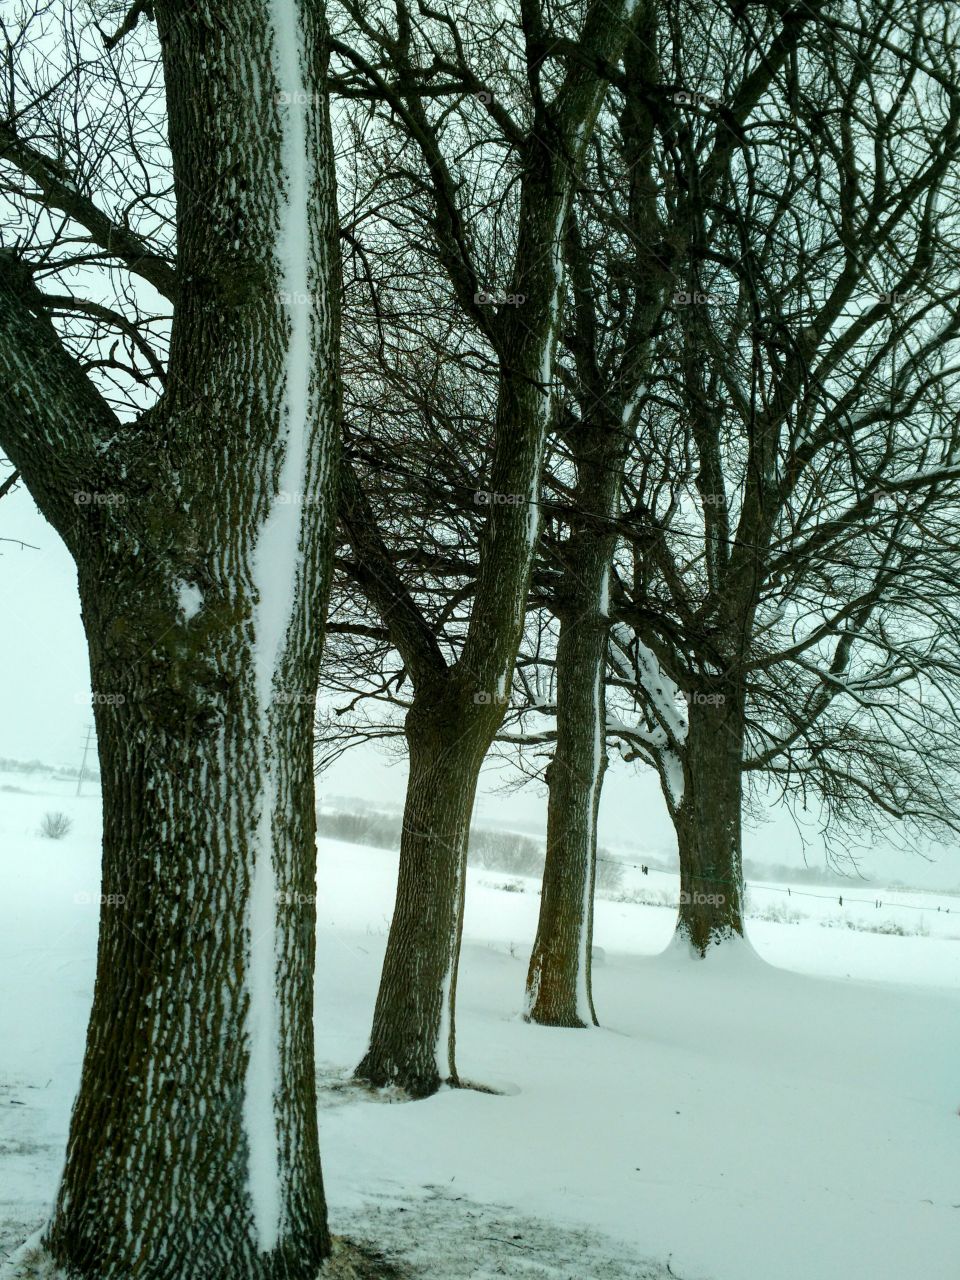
{"points": [[559, 985], [157, 1181], [559, 979], [413, 1040], [202, 537], [455, 714], [707, 819]]}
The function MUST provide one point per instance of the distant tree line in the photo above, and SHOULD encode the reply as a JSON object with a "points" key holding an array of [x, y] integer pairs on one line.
{"points": [[489, 847]]}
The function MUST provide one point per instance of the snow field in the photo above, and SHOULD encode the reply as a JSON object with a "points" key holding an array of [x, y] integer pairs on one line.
{"points": [[739, 1120]]}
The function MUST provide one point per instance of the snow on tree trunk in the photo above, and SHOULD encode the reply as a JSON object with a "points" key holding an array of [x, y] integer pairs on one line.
{"points": [[275, 573], [163, 1175]]}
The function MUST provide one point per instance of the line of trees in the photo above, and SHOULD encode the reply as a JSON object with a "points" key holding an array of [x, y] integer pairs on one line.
{"points": [[588, 374], [747, 552]]}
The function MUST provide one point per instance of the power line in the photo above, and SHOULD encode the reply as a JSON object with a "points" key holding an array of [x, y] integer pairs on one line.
{"points": [[83, 762]]}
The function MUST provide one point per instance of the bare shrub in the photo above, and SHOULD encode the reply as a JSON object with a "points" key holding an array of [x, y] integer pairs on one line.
{"points": [[55, 825]]}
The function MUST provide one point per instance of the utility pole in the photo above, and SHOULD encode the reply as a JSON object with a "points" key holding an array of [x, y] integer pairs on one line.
{"points": [[83, 762]]}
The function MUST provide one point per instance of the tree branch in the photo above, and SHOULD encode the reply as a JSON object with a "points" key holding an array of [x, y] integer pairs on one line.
{"points": [[60, 192]]}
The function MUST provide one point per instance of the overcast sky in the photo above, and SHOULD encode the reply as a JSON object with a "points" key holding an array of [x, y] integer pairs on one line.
{"points": [[46, 713]]}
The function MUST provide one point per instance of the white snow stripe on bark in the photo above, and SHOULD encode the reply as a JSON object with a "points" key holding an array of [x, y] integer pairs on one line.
{"points": [[584, 1011], [442, 1052], [275, 565]]}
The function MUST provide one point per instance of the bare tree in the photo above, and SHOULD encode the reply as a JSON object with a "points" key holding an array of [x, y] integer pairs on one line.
{"points": [[624, 272], [168, 366], [793, 545], [597, 429], [785, 537], [460, 129], [826, 667]]}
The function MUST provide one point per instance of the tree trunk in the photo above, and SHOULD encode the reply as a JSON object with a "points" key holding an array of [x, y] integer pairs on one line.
{"points": [[204, 568], [457, 710], [707, 819], [559, 988], [560, 984], [559, 991], [193, 1147], [413, 1040]]}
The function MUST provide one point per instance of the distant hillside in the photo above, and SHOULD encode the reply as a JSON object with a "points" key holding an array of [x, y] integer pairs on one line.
{"points": [[33, 767]]}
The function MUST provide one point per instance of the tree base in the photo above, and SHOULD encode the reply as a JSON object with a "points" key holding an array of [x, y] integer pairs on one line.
{"points": [[31, 1261], [347, 1261], [350, 1261], [725, 942], [415, 1083], [570, 1021]]}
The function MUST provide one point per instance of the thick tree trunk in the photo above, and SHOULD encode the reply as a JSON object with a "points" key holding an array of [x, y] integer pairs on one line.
{"points": [[193, 1146], [707, 819], [412, 1043], [204, 574]]}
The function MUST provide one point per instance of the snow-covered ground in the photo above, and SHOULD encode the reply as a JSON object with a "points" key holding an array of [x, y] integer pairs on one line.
{"points": [[791, 1113]]}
